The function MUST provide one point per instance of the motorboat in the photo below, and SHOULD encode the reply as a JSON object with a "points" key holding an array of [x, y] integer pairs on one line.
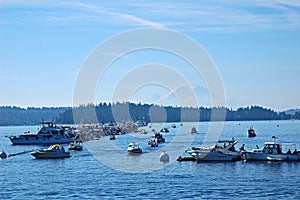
{"points": [[159, 137], [272, 151], [3, 154], [75, 145], [251, 132], [112, 137], [153, 142], [224, 150], [164, 130], [141, 122], [156, 139], [54, 151], [49, 133], [134, 148]]}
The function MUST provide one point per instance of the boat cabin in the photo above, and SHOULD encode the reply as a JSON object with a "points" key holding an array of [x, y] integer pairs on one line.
{"points": [[270, 148]]}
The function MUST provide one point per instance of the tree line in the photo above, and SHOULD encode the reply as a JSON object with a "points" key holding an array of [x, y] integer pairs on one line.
{"points": [[12, 115], [116, 112]]}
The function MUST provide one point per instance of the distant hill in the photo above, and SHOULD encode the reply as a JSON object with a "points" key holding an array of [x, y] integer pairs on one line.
{"points": [[292, 111]]}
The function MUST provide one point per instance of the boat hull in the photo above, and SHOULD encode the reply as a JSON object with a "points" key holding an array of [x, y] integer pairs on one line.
{"points": [[134, 151], [75, 148], [50, 155], [216, 156], [252, 156], [35, 139]]}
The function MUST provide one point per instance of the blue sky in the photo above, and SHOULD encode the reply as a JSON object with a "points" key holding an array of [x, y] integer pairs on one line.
{"points": [[255, 45]]}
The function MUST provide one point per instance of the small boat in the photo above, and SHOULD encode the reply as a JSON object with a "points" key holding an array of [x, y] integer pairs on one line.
{"points": [[143, 131], [153, 142], [272, 151], [134, 148], [173, 126], [48, 134], [159, 137], [164, 130], [112, 137], [141, 122], [218, 152], [194, 130], [54, 151], [75, 145], [3, 154], [251, 132], [156, 139]]}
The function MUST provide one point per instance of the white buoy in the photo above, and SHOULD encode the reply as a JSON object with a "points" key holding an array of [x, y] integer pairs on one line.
{"points": [[164, 157]]}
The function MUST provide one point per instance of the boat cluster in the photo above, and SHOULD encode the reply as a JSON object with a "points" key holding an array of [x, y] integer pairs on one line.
{"points": [[225, 151], [96, 131], [157, 138], [48, 134], [54, 135]]}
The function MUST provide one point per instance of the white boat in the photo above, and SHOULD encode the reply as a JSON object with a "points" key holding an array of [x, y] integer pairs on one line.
{"points": [[54, 151], [223, 151], [134, 148], [272, 151], [48, 134]]}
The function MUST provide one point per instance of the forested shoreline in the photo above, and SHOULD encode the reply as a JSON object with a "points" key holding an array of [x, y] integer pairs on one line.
{"points": [[107, 112]]}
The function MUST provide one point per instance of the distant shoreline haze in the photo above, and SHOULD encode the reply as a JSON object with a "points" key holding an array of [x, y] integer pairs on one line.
{"points": [[13, 115]]}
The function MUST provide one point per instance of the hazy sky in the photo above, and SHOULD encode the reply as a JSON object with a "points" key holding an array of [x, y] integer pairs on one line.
{"points": [[255, 45]]}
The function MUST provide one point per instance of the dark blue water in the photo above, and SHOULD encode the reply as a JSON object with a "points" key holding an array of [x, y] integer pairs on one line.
{"points": [[84, 177]]}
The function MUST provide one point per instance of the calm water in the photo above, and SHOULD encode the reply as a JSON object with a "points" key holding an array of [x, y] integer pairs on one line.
{"points": [[83, 176]]}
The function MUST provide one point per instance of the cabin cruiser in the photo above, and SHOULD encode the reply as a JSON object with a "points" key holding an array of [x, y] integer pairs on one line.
{"points": [[272, 151], [54, 151], [48, 134], [224, 150], [134, 148], [251, 132]]}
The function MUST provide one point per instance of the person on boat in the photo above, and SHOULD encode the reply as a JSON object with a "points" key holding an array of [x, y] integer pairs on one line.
{"points": [[295, 151], [62, 149], [289, 151], [242, 148], [279, 151]]}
